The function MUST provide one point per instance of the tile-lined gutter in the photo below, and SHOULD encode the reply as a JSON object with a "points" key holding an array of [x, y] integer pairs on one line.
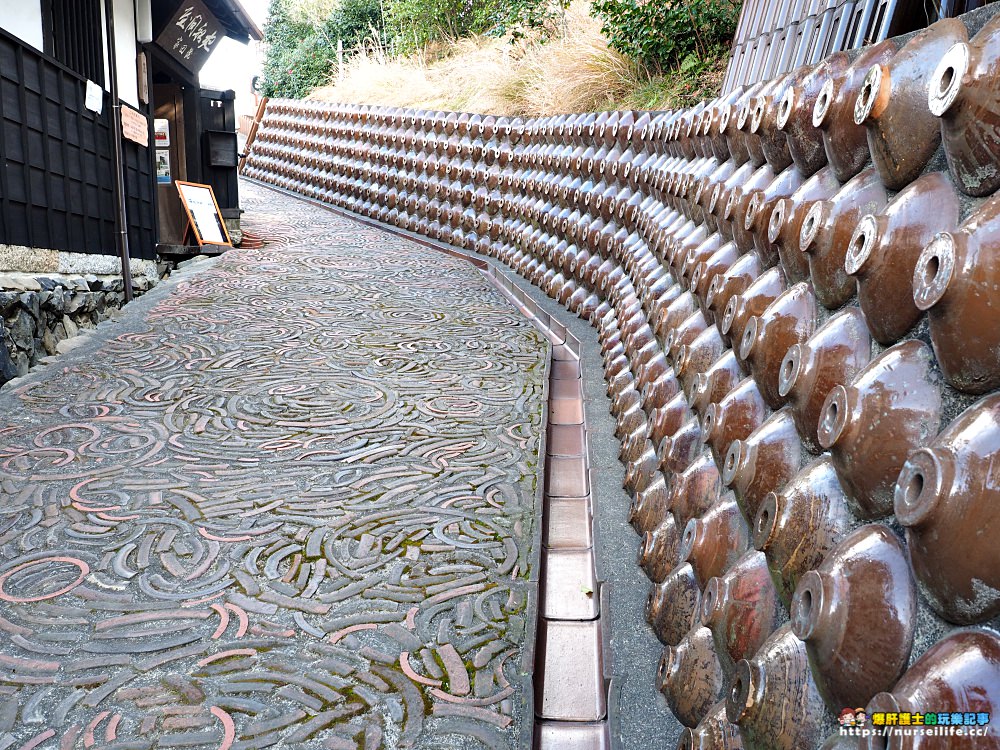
{"points": [[565, 656]]}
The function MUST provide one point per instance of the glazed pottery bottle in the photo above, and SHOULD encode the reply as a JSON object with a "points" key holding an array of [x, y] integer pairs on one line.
{"points": [[891, 408], [739, 199], [667, 419], [650, 506], [786, 222], [833, 355], [729, 284], [865, 580], [882, 253], [712, 385], [753, 301], [765, 461], [845, 142], [962, 93], [690, 677], [892, 104], [742, 609], [714, 732], [956, 281], [681, 448], [763, 123], [797, 527], [960, 673], [948, 500], [696, 357], [714, 541], [674, 606], [774, 700], [740, 413], [789, 320], [705, 272], [826, 233], [757, 218], [695, 490], [659, 550], [795, 110]]}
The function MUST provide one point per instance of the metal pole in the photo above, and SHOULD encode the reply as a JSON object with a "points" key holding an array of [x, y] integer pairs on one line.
{"points": [[116, 151]]}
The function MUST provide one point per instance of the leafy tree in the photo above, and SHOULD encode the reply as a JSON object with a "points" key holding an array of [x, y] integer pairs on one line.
{"points": [[664, 33]]}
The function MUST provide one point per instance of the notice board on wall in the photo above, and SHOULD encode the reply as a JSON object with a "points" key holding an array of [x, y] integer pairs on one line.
{"points": [[203, 213]]}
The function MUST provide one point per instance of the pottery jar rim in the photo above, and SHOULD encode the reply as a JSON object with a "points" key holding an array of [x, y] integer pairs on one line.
{"points": [[921, 485], [766, 521], [948, 77], [935, 269], [791, 368], [808, 604], [836, 415], [785, 108], [860, 248], [874, 95], [811, 223], [713, 600], [777, 220], [823, 102], [745, 692]]}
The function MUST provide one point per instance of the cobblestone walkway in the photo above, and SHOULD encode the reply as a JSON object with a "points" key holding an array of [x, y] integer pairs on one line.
{"points": [[287, 502]]}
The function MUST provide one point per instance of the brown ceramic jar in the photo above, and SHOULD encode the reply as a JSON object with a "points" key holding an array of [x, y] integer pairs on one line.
{"points": [[742, 609], [882, 253], [674, 605], [763, 462], [757, 218], [948, 500], [892, 407], [667, 419], [794, 116], [650, 506], [865, 580], [713, 542], [690, 677], [728, 285], [695, 490], [736, 416], [677, 451], [763, 124], [963, 94], [714, 383], [833, 355], [902, 133], [797, 527], [959, 673], [659, 551], [826, 233], [705, 272], [789, 320], [787, 216], [753, 301], [774, 699], [845, 142], [956, 281], [696, 357], [714, 732]]}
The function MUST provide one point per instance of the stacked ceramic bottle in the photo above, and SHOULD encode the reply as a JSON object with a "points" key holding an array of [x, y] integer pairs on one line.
{"points": [[796, 295]]}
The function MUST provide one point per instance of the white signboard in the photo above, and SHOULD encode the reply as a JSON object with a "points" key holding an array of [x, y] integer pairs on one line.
{"points": [[203, 211]]}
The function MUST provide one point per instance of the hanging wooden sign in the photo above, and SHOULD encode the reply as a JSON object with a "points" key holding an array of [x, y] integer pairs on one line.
{"points": [[203, 213], [191, 35]]}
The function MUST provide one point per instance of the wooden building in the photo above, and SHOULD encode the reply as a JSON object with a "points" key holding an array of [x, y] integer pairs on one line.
{"points": [[67, 69]]}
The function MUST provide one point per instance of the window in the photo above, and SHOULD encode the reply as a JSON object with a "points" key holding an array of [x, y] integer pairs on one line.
{"points": [[73, 35]]}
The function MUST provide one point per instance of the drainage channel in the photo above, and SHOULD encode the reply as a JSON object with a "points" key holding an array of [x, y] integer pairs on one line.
{"points": [[571, 677]]}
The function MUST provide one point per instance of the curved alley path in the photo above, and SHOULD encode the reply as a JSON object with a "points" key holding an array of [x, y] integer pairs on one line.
{"points": [[287, 501]]}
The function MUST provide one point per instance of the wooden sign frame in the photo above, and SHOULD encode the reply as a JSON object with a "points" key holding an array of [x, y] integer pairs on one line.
{"points": [[191, 208]]}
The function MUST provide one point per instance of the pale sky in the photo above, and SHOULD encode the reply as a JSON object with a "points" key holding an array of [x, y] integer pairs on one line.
{"points": [[233, 65]]}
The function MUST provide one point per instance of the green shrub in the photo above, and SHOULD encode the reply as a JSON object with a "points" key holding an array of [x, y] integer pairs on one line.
{"points": [[540, 19], [354, 21], [417, 23], [663, 33]]}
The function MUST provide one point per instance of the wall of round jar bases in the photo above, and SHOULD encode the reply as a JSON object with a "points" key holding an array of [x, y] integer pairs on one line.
{"points": [[797, 293]]}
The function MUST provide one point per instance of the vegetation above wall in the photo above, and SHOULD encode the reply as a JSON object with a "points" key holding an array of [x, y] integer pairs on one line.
{"points": [[524, 57]]}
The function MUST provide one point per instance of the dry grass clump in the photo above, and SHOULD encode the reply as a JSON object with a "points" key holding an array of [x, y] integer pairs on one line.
{"points": [[574, 73]]}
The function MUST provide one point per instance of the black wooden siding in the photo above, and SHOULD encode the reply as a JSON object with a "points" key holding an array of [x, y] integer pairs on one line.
{"points": [[56, 171]]}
